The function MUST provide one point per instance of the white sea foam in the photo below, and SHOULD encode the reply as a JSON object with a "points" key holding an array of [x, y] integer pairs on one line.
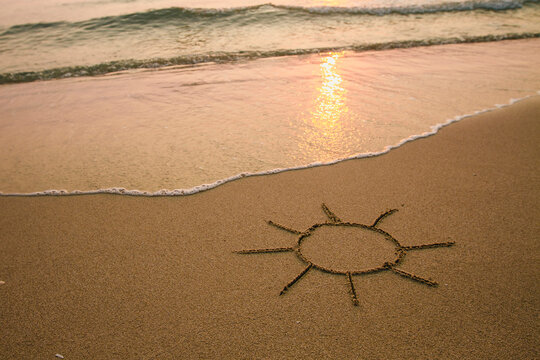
{"points": [[204, 187]]}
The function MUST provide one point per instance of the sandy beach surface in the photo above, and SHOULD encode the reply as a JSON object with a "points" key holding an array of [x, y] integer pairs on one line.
{"points": [[119, 277]]}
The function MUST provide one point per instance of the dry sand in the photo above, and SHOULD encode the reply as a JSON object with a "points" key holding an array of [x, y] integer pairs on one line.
{"points": [[117, 277]]}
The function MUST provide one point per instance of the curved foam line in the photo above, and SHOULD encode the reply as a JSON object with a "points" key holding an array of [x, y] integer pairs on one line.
{"points": [[200, 188]]}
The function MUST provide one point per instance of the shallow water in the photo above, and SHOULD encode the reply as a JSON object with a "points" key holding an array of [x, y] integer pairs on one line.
{"points": [[177, 128], [65, 45]]}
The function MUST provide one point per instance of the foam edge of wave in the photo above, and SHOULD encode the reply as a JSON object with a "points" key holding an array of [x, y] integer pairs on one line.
{"points": [[204, 187]]}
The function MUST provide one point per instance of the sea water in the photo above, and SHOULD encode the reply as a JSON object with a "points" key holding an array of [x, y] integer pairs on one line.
{"points": [[173, 97]]}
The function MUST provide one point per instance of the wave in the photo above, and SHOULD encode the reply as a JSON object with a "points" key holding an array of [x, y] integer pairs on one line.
{"points": [[163, 17], [224, 57], [183, 192], [493, 5]]}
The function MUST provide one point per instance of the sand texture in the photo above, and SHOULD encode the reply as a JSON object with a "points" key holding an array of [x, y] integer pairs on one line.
{"points": [[118, 277]]}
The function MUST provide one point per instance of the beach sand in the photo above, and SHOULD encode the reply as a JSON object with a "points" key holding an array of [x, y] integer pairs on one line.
{"points": [[119, 277]]}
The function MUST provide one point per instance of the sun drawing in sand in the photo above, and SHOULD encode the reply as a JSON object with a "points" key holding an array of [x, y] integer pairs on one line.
{"points": [[373, 231]]}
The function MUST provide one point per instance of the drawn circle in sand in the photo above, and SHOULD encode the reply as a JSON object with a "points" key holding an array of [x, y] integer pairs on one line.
{"points": [[343, 248]]}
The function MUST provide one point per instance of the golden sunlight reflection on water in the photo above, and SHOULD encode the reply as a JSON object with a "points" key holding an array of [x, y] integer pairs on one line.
{"points": [[324, 127]]}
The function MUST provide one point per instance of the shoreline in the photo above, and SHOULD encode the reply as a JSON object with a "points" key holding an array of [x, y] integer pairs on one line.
{"points": [[181, 129], [205, 187], [158, 277]]}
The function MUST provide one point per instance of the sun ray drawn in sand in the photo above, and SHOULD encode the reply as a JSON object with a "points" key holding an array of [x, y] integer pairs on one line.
{"points": [[334, 221]]}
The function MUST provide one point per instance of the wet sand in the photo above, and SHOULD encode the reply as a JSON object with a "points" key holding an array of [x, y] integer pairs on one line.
{"points": [[118, 277]]}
